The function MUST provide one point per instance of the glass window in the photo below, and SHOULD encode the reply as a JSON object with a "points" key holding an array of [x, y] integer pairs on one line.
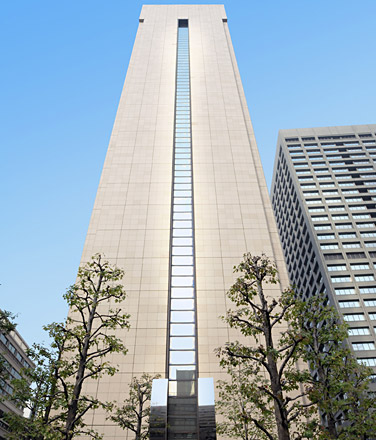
{"points": [[363, 346], [348, 304], [345, 291], [359, 266], [360, 278], [344, 279], [370, 302], [336, 267], [354, 317], [359, 331]]}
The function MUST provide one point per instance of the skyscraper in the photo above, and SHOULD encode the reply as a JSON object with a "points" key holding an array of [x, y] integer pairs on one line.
{"points": [[182, 196], [324, 199]]}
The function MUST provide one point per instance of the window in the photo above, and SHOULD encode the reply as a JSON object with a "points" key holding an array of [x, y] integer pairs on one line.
{"points": [[343, 184], [347, 235], [328, 193], [321, 170], [344, 291], [322, 227], [333, 200], [369, 362], [370, 244], [368, 289], [317, 218], [360, 278], [326, 236], [316, 209], [353, 199], [372, 316], [355, 255], [352, 317], [340, 217], [351, 245], [358, 331], [336, 267], [370, 302], [307, 186], [313, 201], [327, 185], [343, 226], [359, 266], [349, 304], [363, 346], [357, 207], [361, 216], [368, 234], [365, 225], [310, 193], [329, 246], [344, 279], [350, 191], [336, 208]]}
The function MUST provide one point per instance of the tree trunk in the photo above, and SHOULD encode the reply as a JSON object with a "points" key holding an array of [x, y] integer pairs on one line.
{"points": [[275, 383], [73, 404]]}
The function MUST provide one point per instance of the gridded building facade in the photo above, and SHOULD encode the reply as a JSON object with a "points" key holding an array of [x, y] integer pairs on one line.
{"points": [[13, 351], [324, 200], [182, 197]]}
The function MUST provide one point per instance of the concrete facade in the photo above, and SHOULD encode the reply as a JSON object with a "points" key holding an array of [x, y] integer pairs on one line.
{"points": [[131, 220], [13, 351], [324, 199]]}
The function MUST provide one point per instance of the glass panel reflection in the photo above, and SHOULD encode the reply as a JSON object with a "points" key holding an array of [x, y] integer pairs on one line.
{"points": [[183, 343], [182, 329], [182, 316], [182, 304], [182, 270], [182, 357], [182, 261], [177, 370], [182, 292]]}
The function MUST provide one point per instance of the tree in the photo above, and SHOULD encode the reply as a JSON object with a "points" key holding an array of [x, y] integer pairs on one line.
{"points": [[237, 408], [339, 385], [274, 382], [78, 352], [134, 414]]}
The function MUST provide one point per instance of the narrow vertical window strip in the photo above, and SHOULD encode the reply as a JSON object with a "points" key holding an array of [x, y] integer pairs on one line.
{"points": [[182, 343]]}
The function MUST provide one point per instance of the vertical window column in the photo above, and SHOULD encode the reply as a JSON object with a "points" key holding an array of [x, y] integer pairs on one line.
{"points": [[182, 356]]}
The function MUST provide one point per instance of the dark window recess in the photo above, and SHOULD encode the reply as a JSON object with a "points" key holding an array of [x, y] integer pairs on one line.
{"points": [[291, 139], [308, 138], [333, 256], [372, 254], [365, 135], [183, 23], [354, 255]]}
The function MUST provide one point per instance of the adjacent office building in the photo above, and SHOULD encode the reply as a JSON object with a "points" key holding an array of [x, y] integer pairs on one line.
{"points": [[13, 351], [181, 198], [324, 200]]}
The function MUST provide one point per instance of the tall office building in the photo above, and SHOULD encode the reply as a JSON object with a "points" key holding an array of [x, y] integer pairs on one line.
{"points": [[182, 197], [324, 201]]}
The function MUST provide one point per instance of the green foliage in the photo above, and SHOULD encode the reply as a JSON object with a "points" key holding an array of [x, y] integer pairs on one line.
{"points": [[238, 408], [134, 413], [6, 321], [273, 390], [78, 352], [339, 384], [265, 395], [6, 325]]}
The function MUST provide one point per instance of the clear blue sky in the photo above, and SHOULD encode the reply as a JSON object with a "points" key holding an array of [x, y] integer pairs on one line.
{"points": [[303, 63]]}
